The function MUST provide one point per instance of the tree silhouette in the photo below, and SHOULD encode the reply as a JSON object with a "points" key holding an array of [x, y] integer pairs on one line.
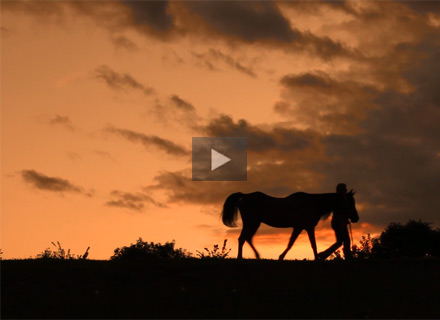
{"points": [[416, 239]]}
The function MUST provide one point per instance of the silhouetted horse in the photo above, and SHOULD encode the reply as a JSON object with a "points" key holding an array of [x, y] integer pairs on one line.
{"points": [[300, 210]]}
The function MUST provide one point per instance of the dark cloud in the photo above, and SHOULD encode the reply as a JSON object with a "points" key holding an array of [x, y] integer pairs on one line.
{"points": [[62, 121], [244, 21], [176, 110], [122, 42], [316, 100], [154, 14], [120, 81], [203, 61], [259, 140], [210, 58], [182, 104], [262, 22], [422, 6], [55, 184], [247, 20], [151, 140], [133, 201]]}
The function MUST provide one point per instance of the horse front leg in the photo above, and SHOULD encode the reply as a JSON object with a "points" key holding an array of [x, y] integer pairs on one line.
{"points": [[295, 234], [311, 233]]}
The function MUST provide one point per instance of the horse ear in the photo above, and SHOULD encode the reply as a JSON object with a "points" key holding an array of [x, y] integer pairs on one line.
{"points": [[352, 192]]}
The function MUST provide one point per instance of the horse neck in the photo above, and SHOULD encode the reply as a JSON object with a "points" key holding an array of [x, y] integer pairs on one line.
{"points": [[329, 202]]}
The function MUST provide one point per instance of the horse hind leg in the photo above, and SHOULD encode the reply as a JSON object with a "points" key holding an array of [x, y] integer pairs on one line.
{"points": [[241, 241], [293, 237], [247, 234]]}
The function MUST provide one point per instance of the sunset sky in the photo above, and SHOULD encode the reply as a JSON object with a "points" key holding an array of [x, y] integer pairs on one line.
{"points": [[100, 101]]}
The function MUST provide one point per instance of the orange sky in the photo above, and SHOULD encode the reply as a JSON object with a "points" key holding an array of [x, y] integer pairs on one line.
{"points": [[325, 93]]}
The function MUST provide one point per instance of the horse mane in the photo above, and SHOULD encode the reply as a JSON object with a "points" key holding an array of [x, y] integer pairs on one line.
{"points": [[326, 215], [328, 210]]}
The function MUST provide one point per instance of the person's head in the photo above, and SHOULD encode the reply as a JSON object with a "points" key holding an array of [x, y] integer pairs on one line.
{"points": [[341, 188]]}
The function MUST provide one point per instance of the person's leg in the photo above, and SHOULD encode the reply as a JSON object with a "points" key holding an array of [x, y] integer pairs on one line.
{"points": [[345, 237], [326, 253]]}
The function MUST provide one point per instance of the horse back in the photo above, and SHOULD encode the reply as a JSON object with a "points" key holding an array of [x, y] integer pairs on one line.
{"points": [[299, 209]]}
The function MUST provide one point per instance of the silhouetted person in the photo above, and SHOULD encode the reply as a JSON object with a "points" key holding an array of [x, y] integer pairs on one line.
{"points": [[339, 225]]}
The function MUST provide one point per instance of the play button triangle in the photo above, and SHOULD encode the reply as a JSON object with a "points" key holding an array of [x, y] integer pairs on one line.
{"points": [[218, 159]]}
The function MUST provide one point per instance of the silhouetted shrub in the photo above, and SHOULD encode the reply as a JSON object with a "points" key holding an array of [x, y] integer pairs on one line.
{"points": [[60, 253], [414, 240], [149, 251], [215, 253], [365, 248]]}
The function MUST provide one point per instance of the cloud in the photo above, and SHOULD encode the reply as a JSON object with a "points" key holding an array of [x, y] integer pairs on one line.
{"points": [[104, 155], [277, 139], [147, 141], [122, 42], [64, 121], [249, 21], [118, 81], [176, 110], [133, 201], [262, 22], [316, 100], [153, 14], [209, 59], [54, 184], [182, 104], [422, 6]]}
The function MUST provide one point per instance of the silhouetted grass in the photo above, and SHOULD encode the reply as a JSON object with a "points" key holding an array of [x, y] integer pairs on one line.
{"points": [[220, 288]]}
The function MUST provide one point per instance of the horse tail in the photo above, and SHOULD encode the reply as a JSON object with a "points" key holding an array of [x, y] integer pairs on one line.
{"points": [[230, 209]]}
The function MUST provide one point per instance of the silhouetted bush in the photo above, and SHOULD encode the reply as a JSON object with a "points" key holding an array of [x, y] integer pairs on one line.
{"points": [[214, 253], [149, 251], [60, 253], [365, 248], [415, 239]]}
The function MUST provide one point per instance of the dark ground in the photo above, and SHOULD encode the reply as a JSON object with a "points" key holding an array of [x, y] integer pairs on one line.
{"points": [[220, 289]]}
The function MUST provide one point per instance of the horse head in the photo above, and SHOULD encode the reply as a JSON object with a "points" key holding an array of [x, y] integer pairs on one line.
{"points": [[351, 207]]}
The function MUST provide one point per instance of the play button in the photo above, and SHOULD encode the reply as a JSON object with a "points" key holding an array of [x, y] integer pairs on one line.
{"points": [[218, 159]]}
